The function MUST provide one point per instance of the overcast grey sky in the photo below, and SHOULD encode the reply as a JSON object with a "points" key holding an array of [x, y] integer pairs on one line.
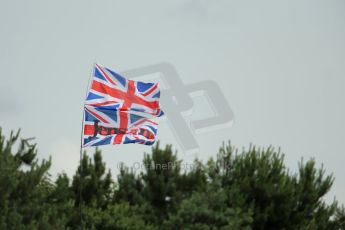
{"points": [[280, 65]]}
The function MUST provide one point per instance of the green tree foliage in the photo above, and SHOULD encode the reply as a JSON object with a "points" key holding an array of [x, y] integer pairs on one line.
{"points": [[278, 199], [24, 187], [162, 170], [248, 190], [96, 182], [208, 210]]}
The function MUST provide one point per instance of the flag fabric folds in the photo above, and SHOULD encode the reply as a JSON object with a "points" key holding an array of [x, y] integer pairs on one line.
{"points": [[119, 111]]}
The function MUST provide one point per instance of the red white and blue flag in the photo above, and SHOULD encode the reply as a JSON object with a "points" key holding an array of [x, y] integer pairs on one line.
{"points": [[119, 111]]}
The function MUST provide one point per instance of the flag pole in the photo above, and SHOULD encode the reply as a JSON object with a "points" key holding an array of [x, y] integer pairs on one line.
{"points": [[81, 175], [81, 154]]}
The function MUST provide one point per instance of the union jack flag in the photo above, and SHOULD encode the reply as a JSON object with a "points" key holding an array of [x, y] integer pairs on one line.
{"points": [[119, 111]]}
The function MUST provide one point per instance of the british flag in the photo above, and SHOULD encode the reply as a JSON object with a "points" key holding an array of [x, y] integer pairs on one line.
{"points": [[119, 111]]}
